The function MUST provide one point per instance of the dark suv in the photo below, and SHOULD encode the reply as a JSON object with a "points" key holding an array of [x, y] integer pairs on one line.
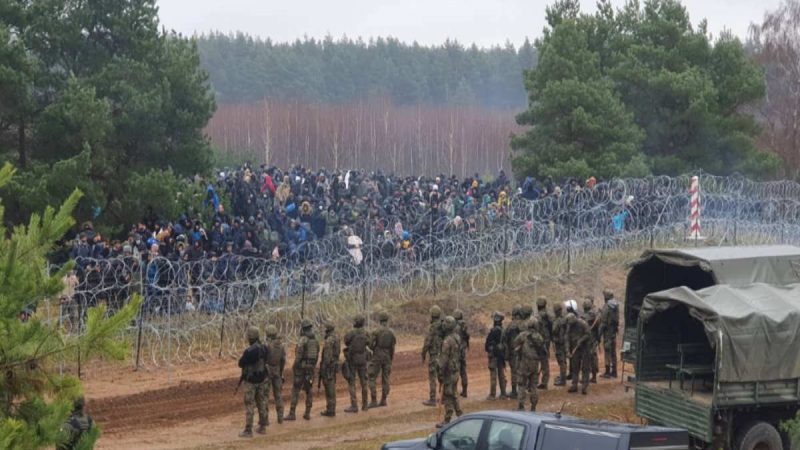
{"points": [[506, 430]]}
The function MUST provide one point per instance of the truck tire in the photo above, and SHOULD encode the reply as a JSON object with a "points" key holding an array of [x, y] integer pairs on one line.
{"points": [[758, 436]]}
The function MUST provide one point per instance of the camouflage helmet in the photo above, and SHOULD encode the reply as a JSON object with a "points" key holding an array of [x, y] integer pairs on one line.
{"points": [[305, 323], [608, 294], [515, 311], [458, 314], [436, 312], [558, 307], [449, 324], [358, 320], [532, 323], [78, 403], [588, 303], [272, 331], [329, 325], [526, 311], [541, 302], [571, 318], [383, 316], [252, 334], [497, 316]]}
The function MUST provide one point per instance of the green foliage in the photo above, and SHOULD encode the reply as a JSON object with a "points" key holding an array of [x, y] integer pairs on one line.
{"points": [[97, 80], [243, 68], [638, 91], [792, 428], [34, 400]]}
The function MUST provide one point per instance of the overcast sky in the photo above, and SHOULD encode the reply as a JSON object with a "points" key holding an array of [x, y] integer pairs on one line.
{"points": [[485, 22]]}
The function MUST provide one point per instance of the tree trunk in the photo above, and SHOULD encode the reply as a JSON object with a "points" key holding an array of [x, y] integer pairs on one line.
{"points": [[23, 151]]}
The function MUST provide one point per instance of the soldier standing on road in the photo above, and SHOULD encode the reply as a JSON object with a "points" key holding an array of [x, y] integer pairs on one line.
{"points": [[559, 343], [305, 360], [463, 335], [578, 344], [254, 374], [590, 316], [382, 343], [276, 362], [78, 424], [328, 366], [509, 334], [355, 352], [431, 349], [530, 346], [496, 353], [608, 329], [546, 332], [448, 362]]}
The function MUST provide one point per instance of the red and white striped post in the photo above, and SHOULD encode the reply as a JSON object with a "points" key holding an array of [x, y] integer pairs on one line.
{"points": [[694, 216]]}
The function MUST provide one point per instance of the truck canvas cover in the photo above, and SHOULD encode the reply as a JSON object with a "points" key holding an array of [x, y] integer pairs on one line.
{"points": [[757, 325]]}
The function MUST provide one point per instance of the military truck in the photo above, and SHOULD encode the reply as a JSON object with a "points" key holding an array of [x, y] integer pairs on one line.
{"points": [[698, 268], [722, 362]]}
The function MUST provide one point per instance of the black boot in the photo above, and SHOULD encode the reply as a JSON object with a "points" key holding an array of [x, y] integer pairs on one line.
{"points": [[572, 389], [291, 416], [594, 378], [262, 429], [607, 373], [246, 433], [430, 402], [352, 409]]}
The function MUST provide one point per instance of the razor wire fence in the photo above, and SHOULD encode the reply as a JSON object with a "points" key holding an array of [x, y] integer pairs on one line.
{"points": [[198, 310]]}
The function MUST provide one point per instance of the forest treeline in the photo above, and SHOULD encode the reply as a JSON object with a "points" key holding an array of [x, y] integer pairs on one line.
{"points": [[245, 69]]}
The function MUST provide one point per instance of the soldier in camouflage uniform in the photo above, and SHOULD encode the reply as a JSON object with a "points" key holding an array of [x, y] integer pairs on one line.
{"points": [[495, 351], [356, 355], [276, 361], [530, 347], [328, 366], [305, 360], [579, 339], [448, 369], [545, 321], [382, 344], [463, 334], [608, 330], [509, 334], [590, 316], [430, 350], [78, 424], [559, 343], [254, 375]]}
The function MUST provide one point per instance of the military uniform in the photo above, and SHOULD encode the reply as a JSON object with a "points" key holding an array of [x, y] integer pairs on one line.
{"points": [[430, 350], [495, 351], [254, 375], [448, 369], [530, 348], [78, 424], [355, 353], [608, 330], [329, 365], [305, 361], [509, 334], [463, 334], [579, 338], [382, 344], [590, 317], [559, 343], [276, 362], [545, 321]]}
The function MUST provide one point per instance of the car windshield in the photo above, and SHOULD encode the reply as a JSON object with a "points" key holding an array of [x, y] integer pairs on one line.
{"points": [[505, 436], [463, 435]]}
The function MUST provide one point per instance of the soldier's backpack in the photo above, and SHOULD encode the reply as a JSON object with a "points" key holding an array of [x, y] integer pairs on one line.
{"points": [[357, 350], [276, 353], [384, 340], [312, 351]]}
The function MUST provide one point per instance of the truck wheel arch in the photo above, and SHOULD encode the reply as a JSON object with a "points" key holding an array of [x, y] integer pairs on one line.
{"points": [[758, 435]]}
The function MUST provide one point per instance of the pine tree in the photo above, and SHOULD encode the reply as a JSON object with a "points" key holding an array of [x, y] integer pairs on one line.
{"points": [[34, 399]]}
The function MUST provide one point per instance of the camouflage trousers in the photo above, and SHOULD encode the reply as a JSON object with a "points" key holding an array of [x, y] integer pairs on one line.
{"points": [[275, 381], [512, 367], [544, 366], [450, 398], [384, 369], [360, 372], [329, 383], [463, 366], [610, 352], [581, 363], [528, 375], [303, 381], [595, 366], [561, 358], [433, 376], [255, 396], [497, 375]]}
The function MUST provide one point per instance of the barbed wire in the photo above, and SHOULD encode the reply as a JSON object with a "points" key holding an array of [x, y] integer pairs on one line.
{"points": [[197, 310]]}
